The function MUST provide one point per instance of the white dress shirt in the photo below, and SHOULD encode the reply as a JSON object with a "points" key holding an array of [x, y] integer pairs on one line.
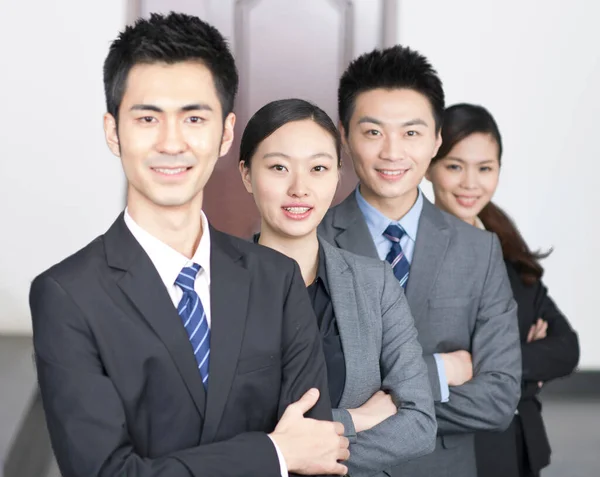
{"points": [[169, 263]]}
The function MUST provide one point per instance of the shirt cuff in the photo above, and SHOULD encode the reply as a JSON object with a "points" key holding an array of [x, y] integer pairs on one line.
{"points": [[444, 391], [282, 465]]}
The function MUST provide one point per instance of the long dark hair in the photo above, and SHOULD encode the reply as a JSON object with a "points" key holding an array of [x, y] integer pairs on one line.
{"points": [[277, 114], [460, 121]]}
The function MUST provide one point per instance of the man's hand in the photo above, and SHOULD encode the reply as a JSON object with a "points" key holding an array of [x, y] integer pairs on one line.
{"points": [[458, 366], [309, 446], [377, 409], [537, 331]]}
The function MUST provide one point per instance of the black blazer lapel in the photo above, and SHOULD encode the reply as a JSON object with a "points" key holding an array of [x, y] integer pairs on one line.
{"points": [[229, 292], [433, 238], [142, 284]]}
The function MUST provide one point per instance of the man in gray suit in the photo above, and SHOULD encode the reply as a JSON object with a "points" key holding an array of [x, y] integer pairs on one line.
{"points": [[390, 107]]}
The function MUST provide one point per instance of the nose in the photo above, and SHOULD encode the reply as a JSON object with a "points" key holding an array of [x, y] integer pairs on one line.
{"points": [[298, 186], [469, 178], [171, 140], [392, 148]]}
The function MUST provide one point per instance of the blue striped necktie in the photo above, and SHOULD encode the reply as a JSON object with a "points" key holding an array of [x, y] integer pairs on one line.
{"points": [[192, 314], [396, 256]]}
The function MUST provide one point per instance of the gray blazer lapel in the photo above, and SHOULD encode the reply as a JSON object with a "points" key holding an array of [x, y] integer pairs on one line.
{"points": [[343, 298], [433, 237], [354, 234]]}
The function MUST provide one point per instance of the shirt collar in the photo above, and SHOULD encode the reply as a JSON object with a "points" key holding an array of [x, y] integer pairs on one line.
{"points": [[322, 270], [168, 261], [377, 222]]}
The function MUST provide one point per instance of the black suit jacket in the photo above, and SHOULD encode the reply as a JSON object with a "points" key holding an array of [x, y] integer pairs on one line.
{"points": [[118, 378], [552, 357]]}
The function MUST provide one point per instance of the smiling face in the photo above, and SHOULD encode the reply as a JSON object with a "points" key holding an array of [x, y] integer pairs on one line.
{"points": [[391, 139], [293, 178], [466, 179], [170, 134]]}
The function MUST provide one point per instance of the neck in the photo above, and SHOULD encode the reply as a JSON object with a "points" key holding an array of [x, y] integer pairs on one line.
{"points": [[304, 250], [180, 227], [393, 208]]}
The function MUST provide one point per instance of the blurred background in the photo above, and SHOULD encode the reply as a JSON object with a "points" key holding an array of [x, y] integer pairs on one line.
{"points": [[535, 65]]}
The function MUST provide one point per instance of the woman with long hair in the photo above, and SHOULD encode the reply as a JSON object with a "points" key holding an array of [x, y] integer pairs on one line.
{"points": [[464, 175]]}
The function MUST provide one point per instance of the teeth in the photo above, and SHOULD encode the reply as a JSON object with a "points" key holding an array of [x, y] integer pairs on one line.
{"points": [[171, 171], [391, 173], [297, 210]]}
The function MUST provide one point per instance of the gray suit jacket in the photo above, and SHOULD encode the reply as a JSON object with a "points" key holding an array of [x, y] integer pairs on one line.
{"points": [[460, 298], [381, 351]]}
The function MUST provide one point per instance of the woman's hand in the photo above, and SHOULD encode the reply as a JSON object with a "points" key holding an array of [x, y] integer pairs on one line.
{"points": [[537, 331], [377, 409]]}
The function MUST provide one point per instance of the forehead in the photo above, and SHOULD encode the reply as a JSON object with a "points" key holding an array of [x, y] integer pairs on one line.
{"points": [[167, 85], [299, 138], [393, 106], [477, 147]]}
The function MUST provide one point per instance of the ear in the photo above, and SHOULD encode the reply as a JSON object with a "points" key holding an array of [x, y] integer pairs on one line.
{"points": [[438, 143], [227, 139], [111, 134], [246, 176], [343, 137]]}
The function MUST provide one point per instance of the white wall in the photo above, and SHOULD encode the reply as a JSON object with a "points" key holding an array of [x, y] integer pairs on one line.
{"points": [[536, 66], [59, 185]]}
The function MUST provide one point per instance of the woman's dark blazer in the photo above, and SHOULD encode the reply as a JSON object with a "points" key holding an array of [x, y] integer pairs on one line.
{"points": [[553, 357]]}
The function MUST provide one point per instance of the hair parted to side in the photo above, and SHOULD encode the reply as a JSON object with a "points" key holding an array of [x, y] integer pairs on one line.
{"points": [[170, 39], [397, 67], [460, 121], [276, 114]]}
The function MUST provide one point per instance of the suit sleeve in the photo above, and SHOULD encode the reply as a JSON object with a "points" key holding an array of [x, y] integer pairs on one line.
{"points": [[411, 432], [556, 355], [85, 417], [488, 401], [303, 359]]}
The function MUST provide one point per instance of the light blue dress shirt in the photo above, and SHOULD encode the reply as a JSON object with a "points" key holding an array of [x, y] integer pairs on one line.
{"points": [[377, 223]]}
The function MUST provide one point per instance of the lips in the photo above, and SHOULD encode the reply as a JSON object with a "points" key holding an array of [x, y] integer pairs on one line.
{"points": [[391, 174], [297, 211], [466, 201]]}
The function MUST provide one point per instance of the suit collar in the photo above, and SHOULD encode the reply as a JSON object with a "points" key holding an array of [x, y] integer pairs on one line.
{"points": [[353, 233], [345, 308], [430, 249], [143, 286]]}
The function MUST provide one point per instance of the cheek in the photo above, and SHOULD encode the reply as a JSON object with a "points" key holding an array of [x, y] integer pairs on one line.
{"points": [[490, 184], [444, 182], [268, 192]]}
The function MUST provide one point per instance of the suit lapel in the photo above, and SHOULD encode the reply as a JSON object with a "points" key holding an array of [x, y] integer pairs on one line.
{"points": [[354, 234], [143, 286], [229, 292], [433, 237], [345, 308]]}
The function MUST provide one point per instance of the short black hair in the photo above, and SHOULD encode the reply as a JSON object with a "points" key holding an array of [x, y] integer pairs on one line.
{"points": [[397, 67], [170, 39], [462, 120], [276, 114]]}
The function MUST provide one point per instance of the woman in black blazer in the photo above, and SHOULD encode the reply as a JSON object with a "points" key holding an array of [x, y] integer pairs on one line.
{"points": [[465, 175]]}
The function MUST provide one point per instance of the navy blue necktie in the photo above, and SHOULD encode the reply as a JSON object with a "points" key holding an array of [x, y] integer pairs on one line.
{"points": [[194, 319], [396, 256]]}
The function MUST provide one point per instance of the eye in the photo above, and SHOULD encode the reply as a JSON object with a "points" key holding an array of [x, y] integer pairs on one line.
{"points": [[278, 168], [373, 132], [319, 169], [195, 119], [147, 119], [453, 167], [412, 133], [485, 169]]}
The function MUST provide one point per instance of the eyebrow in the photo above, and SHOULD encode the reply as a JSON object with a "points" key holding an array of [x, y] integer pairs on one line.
{"points": [[411, 122], [186, 108], [318, 155], [462, 161]]}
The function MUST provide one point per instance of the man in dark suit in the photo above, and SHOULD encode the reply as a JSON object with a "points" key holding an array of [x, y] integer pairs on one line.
{"points": [[390, 108], [164, 347]]}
